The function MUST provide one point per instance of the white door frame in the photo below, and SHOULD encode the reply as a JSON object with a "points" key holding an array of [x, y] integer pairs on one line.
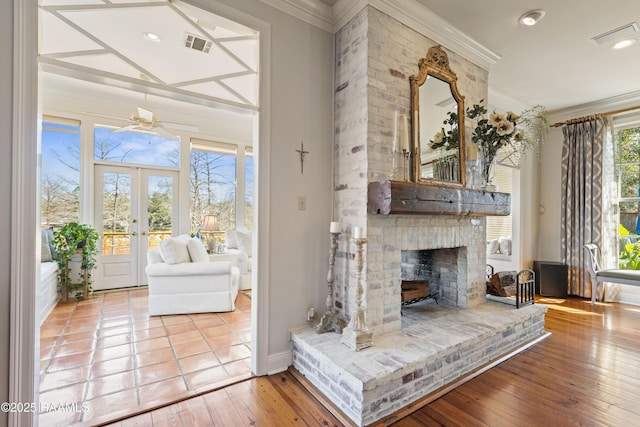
{"points": [[24, 330], [114, 268]]}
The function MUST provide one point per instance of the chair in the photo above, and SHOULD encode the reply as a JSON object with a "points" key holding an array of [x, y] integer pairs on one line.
{"points": [[178, 285], [612, 275]]}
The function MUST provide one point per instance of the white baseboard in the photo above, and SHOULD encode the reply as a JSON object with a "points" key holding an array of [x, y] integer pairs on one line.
{"points": [[279, 362]]}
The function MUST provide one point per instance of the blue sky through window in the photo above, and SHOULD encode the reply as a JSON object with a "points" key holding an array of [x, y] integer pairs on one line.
{"points": [[135, 147]]}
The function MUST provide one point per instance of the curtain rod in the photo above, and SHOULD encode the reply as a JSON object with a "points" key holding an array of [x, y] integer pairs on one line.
{"points": [[594, 116]]}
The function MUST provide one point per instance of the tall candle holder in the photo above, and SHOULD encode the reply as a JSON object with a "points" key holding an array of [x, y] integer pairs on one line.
{"points": [[406, 154], [395, 163], [330, 322], [356, 336]]}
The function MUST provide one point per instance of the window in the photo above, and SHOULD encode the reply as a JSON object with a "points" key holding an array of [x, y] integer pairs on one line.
{"points": [[248, 188], [60, 181], [135, 147], [213, 183], [501, 226], [628, 171]]}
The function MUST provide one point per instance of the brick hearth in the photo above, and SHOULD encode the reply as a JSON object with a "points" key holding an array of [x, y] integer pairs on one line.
{"points": [[435, 346]]}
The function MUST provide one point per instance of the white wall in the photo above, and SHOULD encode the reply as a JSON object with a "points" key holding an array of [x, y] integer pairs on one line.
{"points": [[300, 110], [550, 197], [6, 85]]}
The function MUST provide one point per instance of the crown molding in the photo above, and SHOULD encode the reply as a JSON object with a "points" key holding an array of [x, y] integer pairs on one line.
{"points": [[408, 12], [313, 12], [614, 103], [501, 101]]}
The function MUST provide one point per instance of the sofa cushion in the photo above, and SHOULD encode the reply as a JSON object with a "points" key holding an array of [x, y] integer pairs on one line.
{"points": [[231, 239], [154, 257], [197, 251], [244, 241], [174, 250]]}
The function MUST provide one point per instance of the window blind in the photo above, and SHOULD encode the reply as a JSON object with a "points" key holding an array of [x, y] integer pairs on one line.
{"points": [[501, 226]]}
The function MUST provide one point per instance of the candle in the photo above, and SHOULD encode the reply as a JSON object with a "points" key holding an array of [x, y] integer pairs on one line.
{"points": [[395, 130], [405, 135], [416, 133], [334, 227], [357, 232]]}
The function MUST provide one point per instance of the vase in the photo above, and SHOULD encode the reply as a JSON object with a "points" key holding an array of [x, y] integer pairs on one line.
{"points": [[488, 170]]}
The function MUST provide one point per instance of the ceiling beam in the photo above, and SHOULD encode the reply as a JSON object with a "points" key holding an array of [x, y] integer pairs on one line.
{"points": [[101, 77]]}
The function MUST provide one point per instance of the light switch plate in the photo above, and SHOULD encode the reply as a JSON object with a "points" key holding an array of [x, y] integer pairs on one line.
{"points": [[302, 203]]}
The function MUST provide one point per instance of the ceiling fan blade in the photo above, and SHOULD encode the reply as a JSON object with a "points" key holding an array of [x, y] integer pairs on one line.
{"points": [[164, 133], [180, 126], [106, 116], [145, 115], [126, 128]]}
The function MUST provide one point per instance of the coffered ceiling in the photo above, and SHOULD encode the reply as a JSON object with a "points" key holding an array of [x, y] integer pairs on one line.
{"points": [[151, 46]]}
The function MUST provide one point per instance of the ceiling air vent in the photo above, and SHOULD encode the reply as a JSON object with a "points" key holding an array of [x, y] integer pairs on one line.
{"points": [[619, 33], [194, 42]]}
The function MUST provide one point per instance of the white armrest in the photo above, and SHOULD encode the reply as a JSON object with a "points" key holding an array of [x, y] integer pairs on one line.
{"points": [[189, 269]]}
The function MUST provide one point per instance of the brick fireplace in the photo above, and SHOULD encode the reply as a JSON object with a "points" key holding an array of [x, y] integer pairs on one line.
{"points": [[421, 347]]}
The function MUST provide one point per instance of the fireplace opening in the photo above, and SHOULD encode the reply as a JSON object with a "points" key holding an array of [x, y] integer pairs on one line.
{"points": [[429, 274]]}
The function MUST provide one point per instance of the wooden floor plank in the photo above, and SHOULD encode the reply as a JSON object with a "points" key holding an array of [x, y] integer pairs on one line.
{"points": [[579, 376], [586, 373]]}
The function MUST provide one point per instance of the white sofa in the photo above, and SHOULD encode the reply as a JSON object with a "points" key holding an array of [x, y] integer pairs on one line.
{"points": [[240, 252], [182, 279], [48, 295]]}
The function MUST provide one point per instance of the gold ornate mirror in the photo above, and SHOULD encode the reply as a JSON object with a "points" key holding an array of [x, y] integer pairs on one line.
{"points": [[438, 122]]}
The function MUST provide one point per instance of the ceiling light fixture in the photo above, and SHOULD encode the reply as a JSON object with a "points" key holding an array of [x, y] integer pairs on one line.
{"points": [[152, 36], [532, 17], [623, 43]]}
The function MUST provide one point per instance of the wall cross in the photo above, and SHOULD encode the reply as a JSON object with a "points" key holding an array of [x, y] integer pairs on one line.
{"points": [[302, 154]]}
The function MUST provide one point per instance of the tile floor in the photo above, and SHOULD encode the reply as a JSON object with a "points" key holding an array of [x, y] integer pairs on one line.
{"points": [[107, 355]]}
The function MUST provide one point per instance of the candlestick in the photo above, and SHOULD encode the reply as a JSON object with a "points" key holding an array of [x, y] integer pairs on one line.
{"points": [[334, 227], [357, 336]]}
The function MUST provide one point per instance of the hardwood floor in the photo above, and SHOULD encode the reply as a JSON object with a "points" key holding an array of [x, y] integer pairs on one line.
{"points": [[586, 373]]}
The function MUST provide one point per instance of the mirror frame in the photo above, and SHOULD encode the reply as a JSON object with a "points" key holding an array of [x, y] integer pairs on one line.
{"points": [[436, 64]]}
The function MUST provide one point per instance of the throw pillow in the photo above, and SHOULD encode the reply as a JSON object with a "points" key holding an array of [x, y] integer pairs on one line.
{"points": [[174, 250], [197, 250], [154, 257], [45, 255], [493, 247], [244, 241], [505, 246], [232, 241]]}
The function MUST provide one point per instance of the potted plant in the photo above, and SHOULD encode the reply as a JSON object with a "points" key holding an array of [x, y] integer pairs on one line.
{"points": [[75, 241]]}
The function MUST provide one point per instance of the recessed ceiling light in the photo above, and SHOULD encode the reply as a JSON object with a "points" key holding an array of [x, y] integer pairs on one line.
{"points": [[624, 43], [152, 36], [532, 17]]}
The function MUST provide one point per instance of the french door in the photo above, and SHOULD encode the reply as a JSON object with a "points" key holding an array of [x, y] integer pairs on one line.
{"points": [[135, 208]]}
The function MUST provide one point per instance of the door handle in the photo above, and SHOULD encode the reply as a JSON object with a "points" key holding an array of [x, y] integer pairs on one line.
{"points": [[133, 233], [144, 233]]}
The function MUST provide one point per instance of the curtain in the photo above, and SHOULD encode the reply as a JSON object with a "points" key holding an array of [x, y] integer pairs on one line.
{"points": [[587, 199]]}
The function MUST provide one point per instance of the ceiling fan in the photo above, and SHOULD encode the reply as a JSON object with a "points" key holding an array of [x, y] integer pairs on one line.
{"points": [[143, 120]]}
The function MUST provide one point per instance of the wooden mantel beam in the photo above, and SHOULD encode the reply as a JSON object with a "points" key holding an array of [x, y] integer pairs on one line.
{"points": [[410, 198]]}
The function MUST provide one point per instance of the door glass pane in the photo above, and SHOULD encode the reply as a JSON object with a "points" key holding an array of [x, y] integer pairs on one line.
{"points": [[116, 214], [160, 212]]}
